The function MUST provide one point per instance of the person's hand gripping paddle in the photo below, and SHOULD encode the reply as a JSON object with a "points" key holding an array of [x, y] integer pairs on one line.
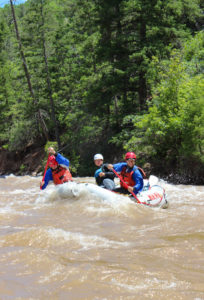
{"points": [[125, 185]]}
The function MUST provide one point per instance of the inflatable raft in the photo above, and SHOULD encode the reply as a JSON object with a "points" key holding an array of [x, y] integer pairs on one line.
{"points": [[152, 195]]}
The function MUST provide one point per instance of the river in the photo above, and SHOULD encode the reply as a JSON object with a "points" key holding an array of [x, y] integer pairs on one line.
{"points": [[54, 247]]}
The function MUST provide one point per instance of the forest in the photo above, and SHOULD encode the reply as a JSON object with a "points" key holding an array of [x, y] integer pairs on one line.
{"points": [[106, 76]]}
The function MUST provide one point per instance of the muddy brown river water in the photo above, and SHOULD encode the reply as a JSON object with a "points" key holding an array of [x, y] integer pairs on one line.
{"points": [[54, 247]]}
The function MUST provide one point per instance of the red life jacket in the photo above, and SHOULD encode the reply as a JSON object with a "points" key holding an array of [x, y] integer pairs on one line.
{"points": [[127, 177], [61, 175]]}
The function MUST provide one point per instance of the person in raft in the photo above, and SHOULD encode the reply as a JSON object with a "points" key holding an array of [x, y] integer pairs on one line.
{"points": [[104, 177], [59, 169], [130, 175]]}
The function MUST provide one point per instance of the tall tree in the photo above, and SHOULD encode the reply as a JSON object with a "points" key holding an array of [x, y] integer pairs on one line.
{"points": [[132, 32], [49, 85], [27, 74]]}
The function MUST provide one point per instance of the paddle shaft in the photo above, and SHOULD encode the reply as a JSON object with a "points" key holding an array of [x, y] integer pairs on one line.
{"points": [[125, 185]]}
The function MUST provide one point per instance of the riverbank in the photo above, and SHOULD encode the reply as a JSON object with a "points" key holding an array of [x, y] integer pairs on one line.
{"points": [[30, 161], [26, 162]]}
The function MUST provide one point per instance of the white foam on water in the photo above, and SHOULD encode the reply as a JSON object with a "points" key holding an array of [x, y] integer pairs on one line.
{"points": [[43, 200], [16, 192], [53, 273], [9, 210], [105, 202], [10, 175], [86, 241], [146, 283]]}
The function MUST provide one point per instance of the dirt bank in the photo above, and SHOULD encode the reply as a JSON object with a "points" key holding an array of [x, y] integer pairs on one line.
{"points": [[26, 162]]}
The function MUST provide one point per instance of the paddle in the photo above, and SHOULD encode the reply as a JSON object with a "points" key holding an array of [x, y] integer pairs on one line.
{"points": [[45, 170], [125, 185]]}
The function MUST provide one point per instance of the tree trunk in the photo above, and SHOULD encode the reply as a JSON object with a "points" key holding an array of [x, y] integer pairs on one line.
{"points": [[142, 91], [39, 115], [57, 136]]}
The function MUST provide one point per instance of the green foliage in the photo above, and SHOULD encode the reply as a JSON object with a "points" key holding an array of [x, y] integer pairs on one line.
{"points": [[174, 124], [75, 163], [5, 146], [21, 133], [22, 168]]}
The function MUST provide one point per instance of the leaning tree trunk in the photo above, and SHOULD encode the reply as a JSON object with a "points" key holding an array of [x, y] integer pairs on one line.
{"points": [[142, 91], [49, 83], [39, 115]]}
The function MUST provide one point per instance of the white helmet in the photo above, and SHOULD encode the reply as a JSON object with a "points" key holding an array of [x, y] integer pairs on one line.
{"points": [[98, 156]]}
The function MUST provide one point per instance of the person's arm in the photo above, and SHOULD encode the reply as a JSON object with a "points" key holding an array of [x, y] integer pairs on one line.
{"points": [[119, 166], [97, 176], [137, 177], [59, 158], [107, 173], [62, 160], [97, 173], [48, 177]]}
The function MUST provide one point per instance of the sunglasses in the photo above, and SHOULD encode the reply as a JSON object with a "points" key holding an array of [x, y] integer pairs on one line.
{"points": [[130, 159], [51, 164]]}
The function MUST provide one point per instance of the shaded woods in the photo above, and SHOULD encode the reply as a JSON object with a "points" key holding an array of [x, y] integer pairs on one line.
{"points": [[104, 76]]}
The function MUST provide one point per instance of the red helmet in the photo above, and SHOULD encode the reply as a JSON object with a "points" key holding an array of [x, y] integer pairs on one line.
{"points": [[130, 155], [52, 160]]}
